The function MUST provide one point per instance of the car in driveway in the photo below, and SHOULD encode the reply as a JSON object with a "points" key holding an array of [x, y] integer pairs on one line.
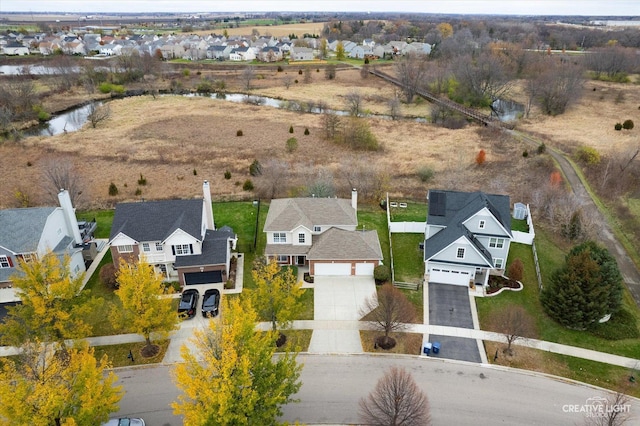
{"points": [[210, 302], [125, 421], [188, 303]]}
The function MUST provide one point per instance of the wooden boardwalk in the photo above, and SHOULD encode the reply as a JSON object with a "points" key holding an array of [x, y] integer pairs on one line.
{"points": [[480, 117]]}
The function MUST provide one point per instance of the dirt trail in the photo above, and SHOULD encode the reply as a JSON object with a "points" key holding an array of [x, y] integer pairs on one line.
{"points": [[628, 269]]}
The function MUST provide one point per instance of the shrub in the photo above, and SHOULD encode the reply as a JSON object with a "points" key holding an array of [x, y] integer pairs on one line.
{"points": [[618, 126], [138, 192], [239, 133], [481, 157], [295, 81], [290, 129], [588, 155], [279, 68], [292, 144], [195, 172], [186, 72], [525, 153], [299, 72], [516, 270], [306, 131], [227, 175], [142, 181], [105, 87], [366, 60], [108, 276], [255, 169], [247, 185], [113, 189], [425, 173], [542, 148], [627, 125], [381, 273]]}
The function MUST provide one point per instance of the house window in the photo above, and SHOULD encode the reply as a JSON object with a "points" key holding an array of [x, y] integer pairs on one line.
{"points": [[301, 238], [182, 249], [29, 257], [317, 229], [146, 247], [460, 253], [481, 224], [127, 248], [498, 263], [496, 243], [279, 237], [76, 269], [283, 259], [5, 262], [158, 246]]}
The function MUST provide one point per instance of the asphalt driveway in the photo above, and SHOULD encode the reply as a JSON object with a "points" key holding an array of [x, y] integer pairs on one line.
{"points": [[449, 305], [338, 299]]}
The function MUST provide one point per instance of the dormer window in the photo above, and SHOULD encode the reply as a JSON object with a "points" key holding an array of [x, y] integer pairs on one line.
{"points": [[301, 238], [316, 229], [481, 224], [460, 253]]}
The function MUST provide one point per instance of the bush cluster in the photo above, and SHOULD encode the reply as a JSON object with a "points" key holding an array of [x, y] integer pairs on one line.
{"points": [[425, 173], [292, 144], [255, 169], [588, 155], [248, 185]]}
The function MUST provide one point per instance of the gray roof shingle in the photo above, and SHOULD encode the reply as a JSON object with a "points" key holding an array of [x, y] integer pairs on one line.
{"points": [[156, 220], [21, 229], [285, 214], [338, 244], [214, 250]]}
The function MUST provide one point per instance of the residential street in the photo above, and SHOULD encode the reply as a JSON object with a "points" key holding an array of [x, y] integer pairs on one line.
{"points": [[459, 393]]}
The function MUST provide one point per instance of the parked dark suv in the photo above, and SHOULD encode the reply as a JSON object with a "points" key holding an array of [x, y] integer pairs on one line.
{"points": [[188, 303], [210, 303]]}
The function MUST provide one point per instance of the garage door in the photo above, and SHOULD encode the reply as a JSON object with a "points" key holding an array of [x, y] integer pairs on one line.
{"points": [[364, 269], [332, 269], [211, 277], [449, 276]]}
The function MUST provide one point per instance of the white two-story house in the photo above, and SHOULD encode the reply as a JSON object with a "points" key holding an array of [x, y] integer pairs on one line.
{"points": [[177, 236], [467, 237], [321, 233]]}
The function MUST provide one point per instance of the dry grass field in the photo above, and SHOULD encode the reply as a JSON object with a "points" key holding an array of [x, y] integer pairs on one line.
{"points": [[278, 31], [166, 139]]}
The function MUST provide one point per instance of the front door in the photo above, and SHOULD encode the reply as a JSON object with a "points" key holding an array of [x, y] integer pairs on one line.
{"points": [[300, 260]]}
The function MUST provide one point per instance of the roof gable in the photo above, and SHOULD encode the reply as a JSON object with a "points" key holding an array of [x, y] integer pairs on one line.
{"points": [[156, 220], [22, 228], [286, 214], [338, 244]]}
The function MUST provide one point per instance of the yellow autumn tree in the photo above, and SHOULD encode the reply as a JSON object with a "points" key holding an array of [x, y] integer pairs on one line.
{"points": [[231, 377], [144, 310], [50, 310], [340, 53], [277, 295], [445, 29], [45, 386]]}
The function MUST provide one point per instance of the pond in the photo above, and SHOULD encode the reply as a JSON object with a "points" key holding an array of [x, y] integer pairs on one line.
{"points": [[69, 121], [33, 70], [506, 110]]}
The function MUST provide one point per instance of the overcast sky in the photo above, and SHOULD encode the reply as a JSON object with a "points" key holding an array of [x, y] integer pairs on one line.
{"points": [[513, 7]]}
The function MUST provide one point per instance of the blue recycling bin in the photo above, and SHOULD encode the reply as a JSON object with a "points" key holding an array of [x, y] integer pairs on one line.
{"points": [[427, 348], [436, 347]]}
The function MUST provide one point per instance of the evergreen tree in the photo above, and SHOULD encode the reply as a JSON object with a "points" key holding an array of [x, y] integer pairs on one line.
{"points": [[585, 289]]}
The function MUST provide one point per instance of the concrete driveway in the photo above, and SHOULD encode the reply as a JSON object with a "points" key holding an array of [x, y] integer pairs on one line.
{"points": [[450, 305], [338, 299]]}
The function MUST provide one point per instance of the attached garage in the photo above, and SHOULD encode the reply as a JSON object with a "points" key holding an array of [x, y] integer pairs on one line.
{"points": [[365, 269], [332, 268], [449, 276]]}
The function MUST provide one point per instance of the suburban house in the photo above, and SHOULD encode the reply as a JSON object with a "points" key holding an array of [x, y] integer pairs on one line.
{"points": [[320, 233], [177, 236], [29, 233], [301, 53], [467, 237]]}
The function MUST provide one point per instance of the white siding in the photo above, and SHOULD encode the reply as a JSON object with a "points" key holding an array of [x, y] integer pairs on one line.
{"points": [[332, 269], [364, 269]]}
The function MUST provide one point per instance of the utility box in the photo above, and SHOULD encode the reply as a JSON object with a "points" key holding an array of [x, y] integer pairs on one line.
{"points": [[436, 347], [427, 348]]}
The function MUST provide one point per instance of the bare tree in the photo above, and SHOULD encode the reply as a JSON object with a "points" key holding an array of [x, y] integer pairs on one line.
{"points": [[330, 72], [275, 174], [395, 401], [610, 61], [354, 103], [64, 70], [59, 173], [558, 86], [613, 410], [19, 97], [515, 323], [306, 78], [390, 311], [482, 79], [330, 124], [394, 107], [246, 77], [372, 180], [98, 113], [411, 70], [321, 184], [287, 80]]}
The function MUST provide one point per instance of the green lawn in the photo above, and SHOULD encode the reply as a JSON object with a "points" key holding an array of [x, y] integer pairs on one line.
{"points": [[414, 212], [104, 219], [372, 217], [408, 262], [551, 257]]}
